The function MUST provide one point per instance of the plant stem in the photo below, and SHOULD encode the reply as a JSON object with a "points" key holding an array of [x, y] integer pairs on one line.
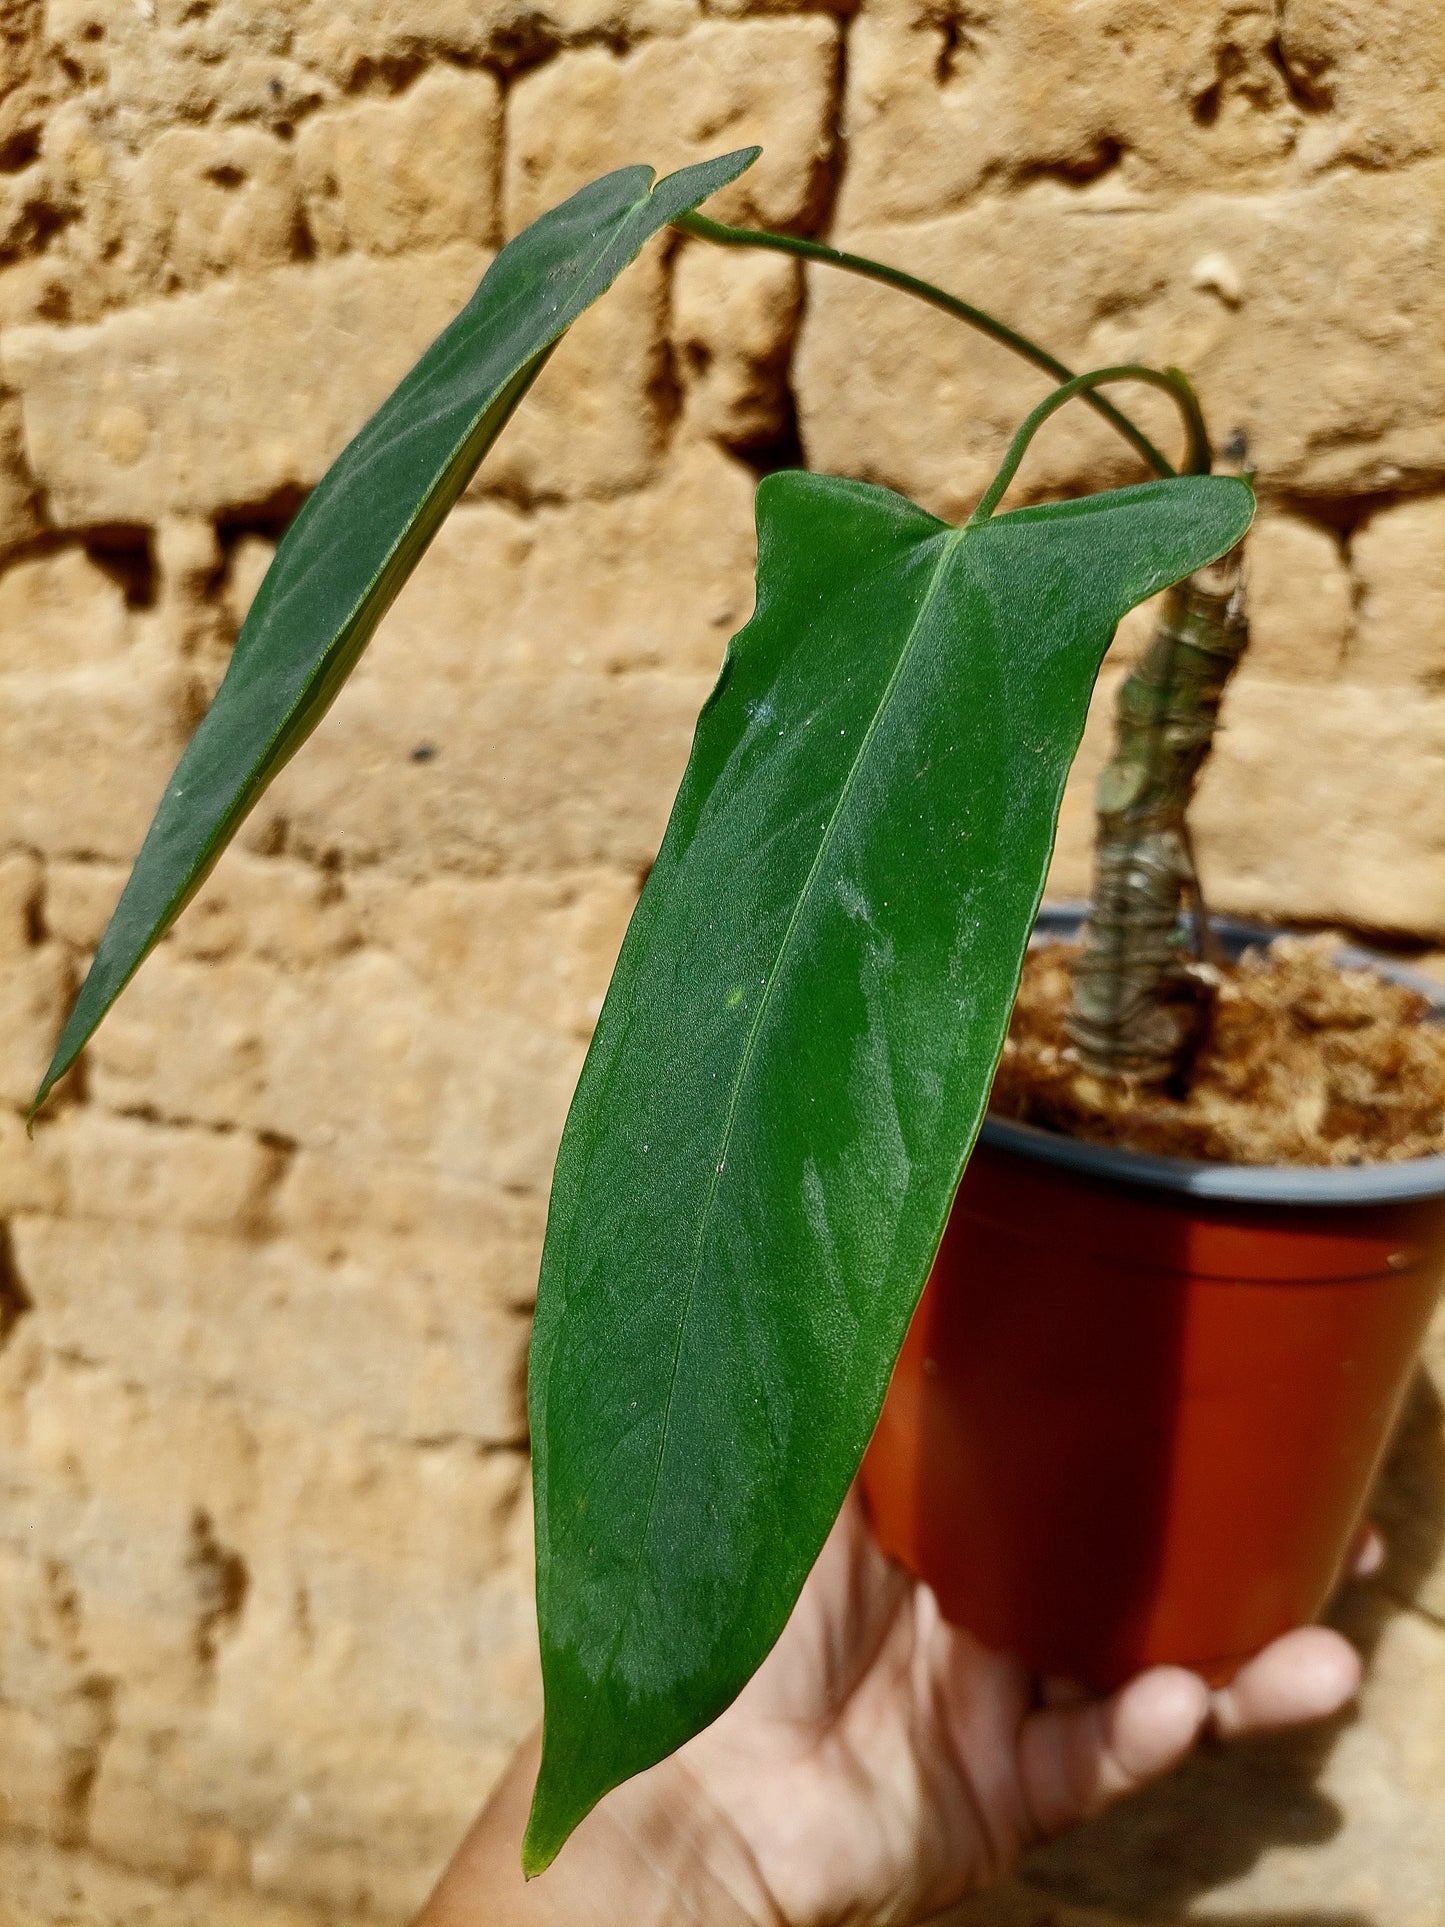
{"points": [[1140, 1007], [860, 264], [1174, 384]]}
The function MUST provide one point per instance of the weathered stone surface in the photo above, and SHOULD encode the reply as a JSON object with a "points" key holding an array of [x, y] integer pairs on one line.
{"points": [[36, 985], [1399, 557], [374, 35], [588, 587], [1327, 804], [733, 321], [408, 1333], [1115, 103], [1301, 601], [481, 1090], [238, 1569], [217, 199], [672, 102], [393, 176], [19, 505], [59, 611], [43, 1884], [566, 771], [114, 435], [266, 1268], [66, 791], [1350, 399]]}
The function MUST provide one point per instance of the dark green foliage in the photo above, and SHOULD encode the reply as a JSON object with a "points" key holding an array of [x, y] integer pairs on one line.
{"points": [[789, 1071], [360, 535]]}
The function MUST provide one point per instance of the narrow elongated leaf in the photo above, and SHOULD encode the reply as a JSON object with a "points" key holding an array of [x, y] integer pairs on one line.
{"points": [[360, 535], [789, 1071]]}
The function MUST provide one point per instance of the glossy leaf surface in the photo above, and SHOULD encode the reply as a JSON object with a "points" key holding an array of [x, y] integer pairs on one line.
{"points": [[789, 1071], [359, 536]]}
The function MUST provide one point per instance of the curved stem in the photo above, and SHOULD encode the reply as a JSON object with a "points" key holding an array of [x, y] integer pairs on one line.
{"points": [[1169, 379], [860, 264]]}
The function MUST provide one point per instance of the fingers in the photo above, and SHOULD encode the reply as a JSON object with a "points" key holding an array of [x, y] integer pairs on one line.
{"points": [[1307, 1675], [1076, 1760]]}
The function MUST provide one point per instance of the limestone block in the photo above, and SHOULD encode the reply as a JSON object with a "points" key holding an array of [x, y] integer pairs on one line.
{"points": [[1368, 79], [35, 990], [1105, 105], [1328, 363], [58, 611], [391, 176], [733, 320], [674, 101], [19, 507], [593, 585], [126, 1170], [169, 64], [594, 421], [1326, 804], [287, 913], [216, 199], [44, 1884], [141, 1513], [53, 1706], [340, 1196], [79, 897], [228, 395], [1399, 558], [543, 947], [246, 567], [87, 752], [22, 888], [402, 1336], [76, 242], [348, 44], [369, 1600], [416, 1576], [30, 1179], [1409, 1501], [1301, 600], [564, 771], [364, 1051]]}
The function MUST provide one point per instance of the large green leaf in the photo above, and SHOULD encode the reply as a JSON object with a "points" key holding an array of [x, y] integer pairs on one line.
{"points": [[789, 1071], [358, 538]]}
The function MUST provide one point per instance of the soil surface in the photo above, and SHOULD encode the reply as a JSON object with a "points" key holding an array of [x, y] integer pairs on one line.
{"points": [[1306, 1063]]}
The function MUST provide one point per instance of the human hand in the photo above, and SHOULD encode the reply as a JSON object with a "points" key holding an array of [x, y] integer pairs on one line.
{"points": [[880, 1765]]}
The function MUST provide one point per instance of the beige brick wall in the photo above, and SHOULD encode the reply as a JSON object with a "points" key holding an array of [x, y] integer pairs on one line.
{"points": [[264, 1280]]}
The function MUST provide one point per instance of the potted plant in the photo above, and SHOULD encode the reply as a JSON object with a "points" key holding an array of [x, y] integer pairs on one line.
{"points": [[796, 1051]]}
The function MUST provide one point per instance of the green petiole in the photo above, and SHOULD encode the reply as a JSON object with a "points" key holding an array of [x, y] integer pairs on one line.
{"points": [[860, 264], [1174, 384]]}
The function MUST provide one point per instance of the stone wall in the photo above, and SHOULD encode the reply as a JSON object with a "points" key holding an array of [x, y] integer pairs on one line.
{"points": [[265, 1272]]}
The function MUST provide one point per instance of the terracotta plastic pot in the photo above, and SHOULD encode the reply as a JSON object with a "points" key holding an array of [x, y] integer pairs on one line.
{"points": [[1142, 1401]]}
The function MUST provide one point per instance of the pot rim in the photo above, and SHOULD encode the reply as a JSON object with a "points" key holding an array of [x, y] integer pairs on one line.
{"points": [[1411, 1178]]}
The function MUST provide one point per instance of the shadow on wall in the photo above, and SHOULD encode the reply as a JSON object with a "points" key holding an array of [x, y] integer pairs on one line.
{"points": [[1209, 1823]]}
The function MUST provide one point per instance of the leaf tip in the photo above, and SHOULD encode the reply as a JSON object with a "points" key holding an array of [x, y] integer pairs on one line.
{"points": [[545, 1836], [48, 1083]]}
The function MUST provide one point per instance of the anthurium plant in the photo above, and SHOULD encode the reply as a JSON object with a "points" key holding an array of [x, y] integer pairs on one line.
{"points": [[796, 1049]]}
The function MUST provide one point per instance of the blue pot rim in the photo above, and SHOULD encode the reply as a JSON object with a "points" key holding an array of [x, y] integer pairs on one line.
{"points": [[1411, 1178]]}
